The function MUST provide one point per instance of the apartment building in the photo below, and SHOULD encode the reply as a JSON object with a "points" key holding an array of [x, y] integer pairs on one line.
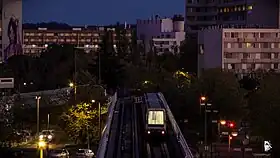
{"points": [[88, 38], [10, 28], [161, 34], [239, 50], [239, 13]]}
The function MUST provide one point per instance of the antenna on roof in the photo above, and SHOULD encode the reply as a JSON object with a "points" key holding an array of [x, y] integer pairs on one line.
{"points": [[125, 25]]}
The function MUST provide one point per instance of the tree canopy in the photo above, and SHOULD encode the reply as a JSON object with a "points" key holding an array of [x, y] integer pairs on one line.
{"points": [[81, 120], [264, 107]]}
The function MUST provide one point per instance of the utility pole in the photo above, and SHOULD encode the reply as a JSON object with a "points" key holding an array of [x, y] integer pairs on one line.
{"points": [[99, 113], [38, 113], [99, 68], [88, 145], [75, 68], [48, 126]]}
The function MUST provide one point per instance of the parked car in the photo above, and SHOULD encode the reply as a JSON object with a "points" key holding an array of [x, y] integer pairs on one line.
{"points": [[59, 153], [85, 153]]}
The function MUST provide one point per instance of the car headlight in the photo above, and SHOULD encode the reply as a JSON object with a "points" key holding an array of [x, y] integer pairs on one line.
{"points": [[41, 137], [49, 136]]}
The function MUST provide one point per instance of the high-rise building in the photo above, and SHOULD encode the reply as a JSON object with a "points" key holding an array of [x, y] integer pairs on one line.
{"points": [[11, 28], [37, 38], [231, 13], [161, 34], [239, 50]]}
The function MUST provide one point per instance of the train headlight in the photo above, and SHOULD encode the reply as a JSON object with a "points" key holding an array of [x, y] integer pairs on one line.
{"points": [[149, 132], [162, 132], [49, 136]]}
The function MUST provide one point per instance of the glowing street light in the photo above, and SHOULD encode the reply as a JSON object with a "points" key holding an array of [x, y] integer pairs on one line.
{"points": [[223, 122], [234, 134], [93, 101], [202, 98], [71, 84]]}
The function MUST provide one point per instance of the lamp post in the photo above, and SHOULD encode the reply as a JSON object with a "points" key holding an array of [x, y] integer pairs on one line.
{"points": [[38, 113], [99, 117], [99, 68], [48, 126], [221, 123], [73, 85], [203, 103]]}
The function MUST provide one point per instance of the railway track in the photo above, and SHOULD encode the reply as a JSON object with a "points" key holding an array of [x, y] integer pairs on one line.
{"points": [[157, 150], [128, 138]]}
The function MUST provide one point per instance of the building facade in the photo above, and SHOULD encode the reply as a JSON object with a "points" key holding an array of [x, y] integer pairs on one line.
{"points": [[161, 35], [10, 28], [251, 13], [239, 50], [88, 38]]}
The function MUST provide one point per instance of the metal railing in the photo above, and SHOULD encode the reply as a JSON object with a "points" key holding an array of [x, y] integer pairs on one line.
{"points": [[176, 129], [106, 131]]}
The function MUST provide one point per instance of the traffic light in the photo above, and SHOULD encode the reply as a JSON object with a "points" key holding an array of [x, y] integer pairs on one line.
{"points": [[231, 125]]}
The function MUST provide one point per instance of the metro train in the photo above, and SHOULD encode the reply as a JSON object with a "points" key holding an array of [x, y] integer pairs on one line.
{"points": [[155, 126]]}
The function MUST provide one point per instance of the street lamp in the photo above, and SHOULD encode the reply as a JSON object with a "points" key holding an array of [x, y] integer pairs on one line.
{"points": [[203, 102], [38, 113], [73, 85], [221, 123], [202, 98], [99, 116]]}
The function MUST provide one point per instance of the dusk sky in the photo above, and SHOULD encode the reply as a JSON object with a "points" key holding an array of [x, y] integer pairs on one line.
{"points": [[97, 11]]}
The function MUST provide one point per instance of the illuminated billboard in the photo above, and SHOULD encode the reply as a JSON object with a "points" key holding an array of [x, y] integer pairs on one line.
{"points": [[11, 28]]}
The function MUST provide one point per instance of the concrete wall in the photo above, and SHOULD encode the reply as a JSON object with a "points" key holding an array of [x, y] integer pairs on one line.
{"points": [[211, 42], [11, 18]]}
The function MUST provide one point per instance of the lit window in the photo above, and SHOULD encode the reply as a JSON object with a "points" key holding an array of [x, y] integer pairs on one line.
{"points": [[239, 8], [243, 8], [221, 10], [248, 45], [235, 8], [225, 9], [250, 7]]}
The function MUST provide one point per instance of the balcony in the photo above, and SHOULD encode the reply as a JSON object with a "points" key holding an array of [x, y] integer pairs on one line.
{"points": [[251, 50]]}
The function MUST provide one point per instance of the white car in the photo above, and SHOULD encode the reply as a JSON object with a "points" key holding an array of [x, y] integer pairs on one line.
{"points": [[85, 153], [59, 153]]}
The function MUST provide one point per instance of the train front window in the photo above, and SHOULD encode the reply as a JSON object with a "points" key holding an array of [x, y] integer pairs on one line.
{"points": [[156, 118]]}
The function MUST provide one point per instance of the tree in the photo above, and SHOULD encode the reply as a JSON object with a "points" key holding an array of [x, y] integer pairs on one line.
{"points": [[80, 120], [21, 66], [264, 107], [223, 90], [189, 54], [169, 61]]}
